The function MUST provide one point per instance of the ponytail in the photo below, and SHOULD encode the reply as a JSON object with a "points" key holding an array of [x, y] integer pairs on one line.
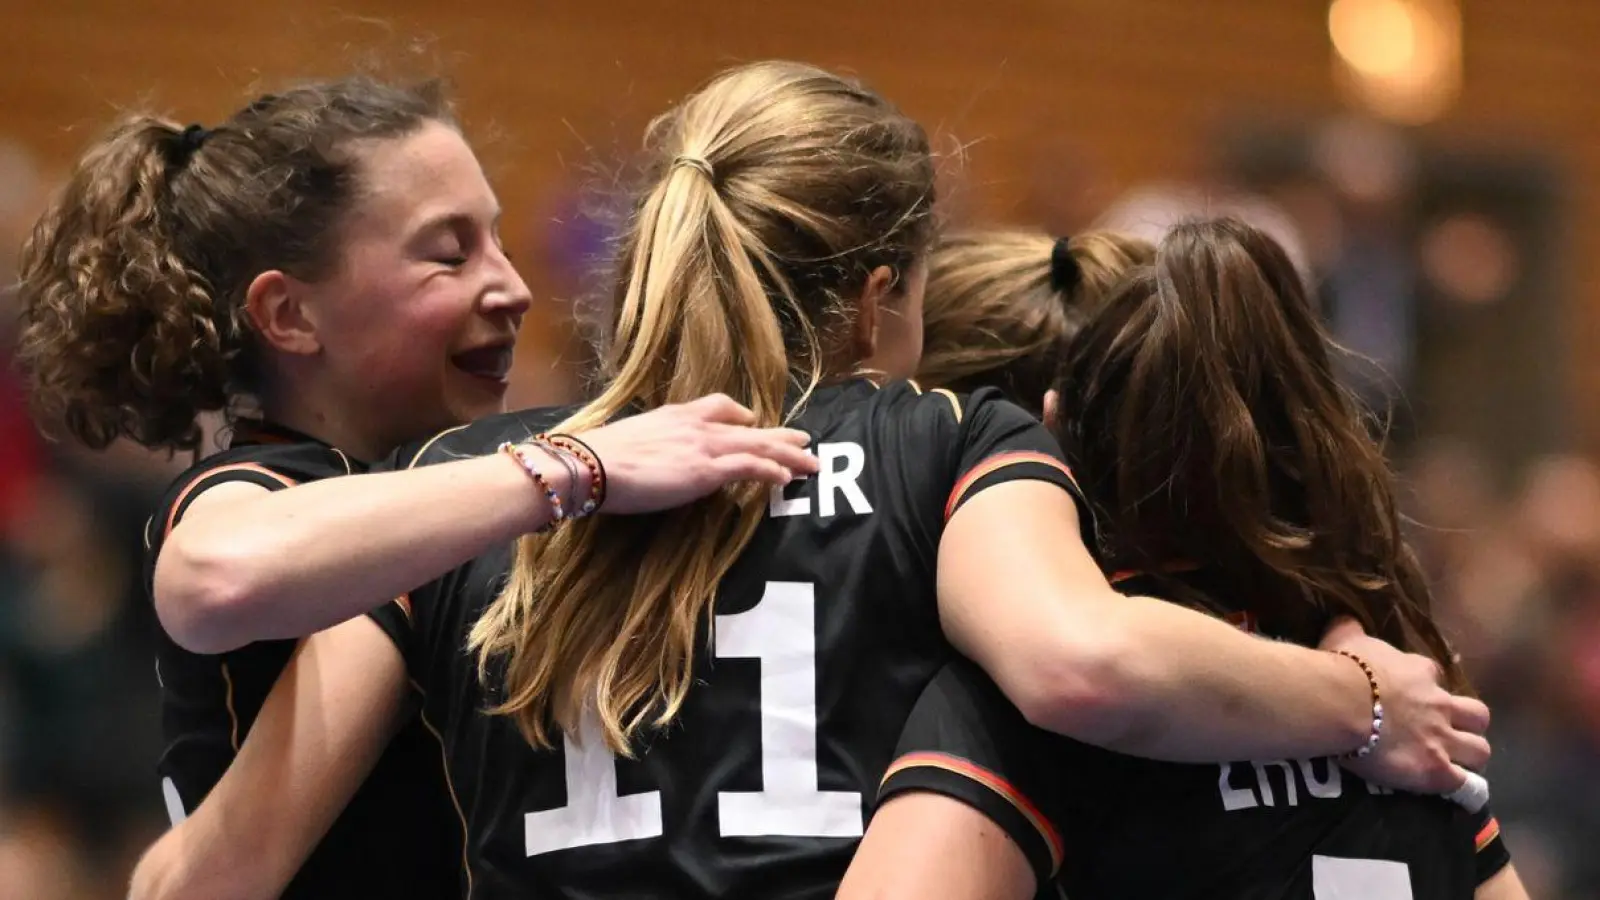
{"points": [[119, 334], [996, 314], [1203, 409], [778, 188], [694, 302]]}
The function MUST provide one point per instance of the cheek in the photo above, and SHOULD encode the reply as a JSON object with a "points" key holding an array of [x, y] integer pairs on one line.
{"points": [[408, 340]]}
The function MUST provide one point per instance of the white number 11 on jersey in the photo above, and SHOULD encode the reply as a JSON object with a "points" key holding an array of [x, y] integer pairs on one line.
{"points": [[779, 631]]}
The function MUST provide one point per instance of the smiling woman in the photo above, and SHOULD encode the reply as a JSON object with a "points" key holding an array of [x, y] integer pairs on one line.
{"points": [[331, 255], [328, 255]]}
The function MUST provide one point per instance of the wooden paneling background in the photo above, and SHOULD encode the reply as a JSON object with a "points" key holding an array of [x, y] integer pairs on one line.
{"points": [[1095, 94]]}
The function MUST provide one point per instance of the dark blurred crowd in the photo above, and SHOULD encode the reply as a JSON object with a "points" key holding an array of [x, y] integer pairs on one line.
{"points": [[1515, 559], [1517, 584]]}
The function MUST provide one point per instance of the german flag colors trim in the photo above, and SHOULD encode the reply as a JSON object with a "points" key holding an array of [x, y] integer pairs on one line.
{"points": [[1002, 788], [1486, 834], [994, 464], [178, 504]]}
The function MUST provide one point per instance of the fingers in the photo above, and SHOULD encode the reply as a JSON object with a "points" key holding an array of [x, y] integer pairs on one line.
{"points": [[750, 467], [721, 408], [1469, 714], [1473, 794], [1343, 630], [1469, 751], [785, 446]]}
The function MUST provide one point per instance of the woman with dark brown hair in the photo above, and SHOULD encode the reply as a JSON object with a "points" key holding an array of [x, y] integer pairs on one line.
{"points": [[327, 259], [698, 704], [1229, 472]]}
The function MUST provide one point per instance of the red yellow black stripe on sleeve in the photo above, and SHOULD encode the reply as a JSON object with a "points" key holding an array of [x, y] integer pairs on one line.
{"points": [[953, 776], [993, 464], [183, 496], [1486, 834]]}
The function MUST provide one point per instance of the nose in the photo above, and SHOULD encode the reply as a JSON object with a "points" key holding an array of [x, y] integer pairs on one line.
{"points": [[508, 294]]}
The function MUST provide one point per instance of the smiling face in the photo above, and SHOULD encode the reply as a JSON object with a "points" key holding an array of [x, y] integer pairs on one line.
{"points": [[418, 321]]}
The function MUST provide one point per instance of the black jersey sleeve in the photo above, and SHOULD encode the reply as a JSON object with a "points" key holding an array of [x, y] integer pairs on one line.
{"points": [[394, 618], [1489, 845], [965, 740], [246, 471], [271, 466], [999, 442]]}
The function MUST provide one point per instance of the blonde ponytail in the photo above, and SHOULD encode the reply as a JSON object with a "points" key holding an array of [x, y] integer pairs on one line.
{"points": [[752, 199]]}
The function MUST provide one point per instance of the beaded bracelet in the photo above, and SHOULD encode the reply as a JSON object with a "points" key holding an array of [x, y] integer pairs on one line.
{"points": [[1377, 708], [570, 462], [520, 456], [590, 459]]}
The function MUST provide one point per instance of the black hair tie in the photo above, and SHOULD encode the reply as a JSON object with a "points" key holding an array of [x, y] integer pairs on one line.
{"points": [[1064, 270], [188, 142]]}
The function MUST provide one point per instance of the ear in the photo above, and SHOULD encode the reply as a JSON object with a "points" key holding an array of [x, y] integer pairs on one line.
{"points": [[276, 305], [1052, 404], [869, 311]]}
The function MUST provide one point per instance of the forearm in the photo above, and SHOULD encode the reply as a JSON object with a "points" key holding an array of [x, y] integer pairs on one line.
{"points": [[306, 558], [170, 870], [317, 737], [1183, 686], [1503, 885]]}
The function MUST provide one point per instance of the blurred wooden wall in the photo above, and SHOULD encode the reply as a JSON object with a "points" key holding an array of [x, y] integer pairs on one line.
{"points": [[1095, 95]]}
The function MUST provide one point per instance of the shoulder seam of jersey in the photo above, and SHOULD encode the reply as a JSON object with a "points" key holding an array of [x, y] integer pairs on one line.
{"points": [[449, 783], [348, 469], [955, 402], [431, 441]]}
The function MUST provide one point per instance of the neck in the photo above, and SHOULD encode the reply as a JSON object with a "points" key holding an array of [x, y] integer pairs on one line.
{"points": [[337, 431]]}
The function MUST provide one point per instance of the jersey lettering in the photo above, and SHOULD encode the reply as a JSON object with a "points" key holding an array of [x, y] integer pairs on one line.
{"points": [[174, 803], [779, 631], [1253, 787], [595, 813], [841, 465], [1337, 878]]}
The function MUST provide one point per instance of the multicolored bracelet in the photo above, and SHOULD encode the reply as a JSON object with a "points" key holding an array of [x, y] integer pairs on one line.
{"points": [[519, 454], [585, 454], [1377, 708]]}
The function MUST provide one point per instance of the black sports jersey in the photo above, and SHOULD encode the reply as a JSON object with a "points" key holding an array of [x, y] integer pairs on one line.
{"points": [[398, 836], [1106, 825], [826, 631]]}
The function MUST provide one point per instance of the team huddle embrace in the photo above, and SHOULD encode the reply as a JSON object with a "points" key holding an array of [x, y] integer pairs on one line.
{"points": [[885, 560]]}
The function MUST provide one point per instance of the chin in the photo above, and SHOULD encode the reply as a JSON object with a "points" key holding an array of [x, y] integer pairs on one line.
{"points": [[480, 408]]}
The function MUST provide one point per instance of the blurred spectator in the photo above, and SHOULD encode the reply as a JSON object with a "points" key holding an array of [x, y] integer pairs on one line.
{"points": [[1519, 591]]}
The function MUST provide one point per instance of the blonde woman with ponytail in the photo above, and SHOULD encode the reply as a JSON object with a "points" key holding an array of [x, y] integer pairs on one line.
{"points": [[699, 703]]}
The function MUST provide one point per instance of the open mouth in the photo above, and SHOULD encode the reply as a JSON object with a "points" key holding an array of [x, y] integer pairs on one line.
{"points": [[491, 363]]}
